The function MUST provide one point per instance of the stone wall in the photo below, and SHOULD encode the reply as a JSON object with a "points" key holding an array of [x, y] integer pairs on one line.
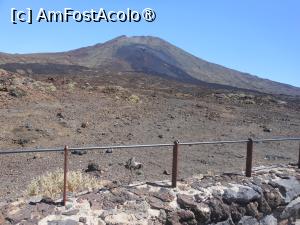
{"points": [[271, 196]]}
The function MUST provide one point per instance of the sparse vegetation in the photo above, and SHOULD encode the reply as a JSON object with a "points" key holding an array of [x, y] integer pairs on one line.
{"points": [[51, 184], [134, 99], [42, 86], [71, 86], [17, 92], [50, 88]]}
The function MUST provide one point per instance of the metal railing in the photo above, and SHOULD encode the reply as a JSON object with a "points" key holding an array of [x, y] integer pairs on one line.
{"points": [[248, 171]]}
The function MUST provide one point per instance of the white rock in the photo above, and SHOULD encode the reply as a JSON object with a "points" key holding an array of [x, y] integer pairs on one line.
{"points": [[268, 220], [122, 218], [240, 194], [291, 187], [248, 220], [291, 209]]}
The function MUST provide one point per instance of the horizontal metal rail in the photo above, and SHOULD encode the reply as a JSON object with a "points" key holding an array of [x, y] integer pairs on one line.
{"points": [[145, 145], [123, 146], [213, 142], [84, 148], [276, 139], [31, 151]]}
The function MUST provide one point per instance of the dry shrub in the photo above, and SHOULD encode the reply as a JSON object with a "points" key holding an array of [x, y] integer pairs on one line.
{"points": [[42, 86], [71, 86], [51, 184], [50, 88], [134, 99]]}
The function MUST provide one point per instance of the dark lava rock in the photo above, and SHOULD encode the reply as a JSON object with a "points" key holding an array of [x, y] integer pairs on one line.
{"points": [[237, 212], [156, 203], [164, 195], [48, 200], [82, 219], [124, 194], [166, 172], [263, 206], [267, 129], [219, 210], [22, 141], [28, 126], [92, 167], [60, 115], [186, 217], [181, 217], [78, 152], [99, 201], [35, 199], [172, 218], [202, 213], [272, 197], [142, 192], [200, 210], [108, 200], [251, 209], [84, 124], [78, 130], [109, 151], [186, 201], [132, 164]]}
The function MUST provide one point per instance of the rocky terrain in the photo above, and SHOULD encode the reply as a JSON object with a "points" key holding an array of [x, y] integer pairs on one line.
{"points": [[89, 109], [270, 197]]}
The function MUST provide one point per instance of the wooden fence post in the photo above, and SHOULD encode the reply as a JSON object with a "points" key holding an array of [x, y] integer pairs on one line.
{"points": [[175, 164], [66, 149], [249, 157]]}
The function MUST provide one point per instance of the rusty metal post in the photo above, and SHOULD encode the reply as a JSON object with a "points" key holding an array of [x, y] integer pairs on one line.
{"points": [[175, 164], [249, 157], [65, 174]]}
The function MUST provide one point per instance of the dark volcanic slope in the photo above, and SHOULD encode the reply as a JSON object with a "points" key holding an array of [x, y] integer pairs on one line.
{"points": [[151, 55]]}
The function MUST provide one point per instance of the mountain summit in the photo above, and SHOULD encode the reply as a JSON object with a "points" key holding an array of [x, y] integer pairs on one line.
{"points": [[148, 55]]}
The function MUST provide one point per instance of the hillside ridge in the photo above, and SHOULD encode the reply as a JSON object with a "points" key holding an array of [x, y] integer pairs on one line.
{"points": [[151, 56]]}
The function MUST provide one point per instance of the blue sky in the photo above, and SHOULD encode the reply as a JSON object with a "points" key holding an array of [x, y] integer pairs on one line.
{"points": [[254, 36]]}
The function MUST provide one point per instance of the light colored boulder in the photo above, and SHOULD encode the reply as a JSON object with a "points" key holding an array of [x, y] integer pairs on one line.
{"points": [[240, 194]]}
